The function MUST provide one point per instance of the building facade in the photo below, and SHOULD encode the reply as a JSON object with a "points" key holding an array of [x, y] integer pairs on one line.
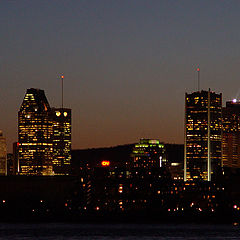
{"points": [[16, 167], [231, 134], [149, 153], [203, 135], [61, 118], [3, 155], [35, 134]]}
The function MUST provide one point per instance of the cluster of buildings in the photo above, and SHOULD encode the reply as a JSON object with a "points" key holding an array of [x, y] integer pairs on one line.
{"points": [[211, 140], [44, 139], [211, 132], [146, 176]]}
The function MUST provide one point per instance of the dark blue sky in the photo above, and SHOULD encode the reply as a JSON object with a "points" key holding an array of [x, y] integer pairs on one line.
{"points": [[127, 64]]}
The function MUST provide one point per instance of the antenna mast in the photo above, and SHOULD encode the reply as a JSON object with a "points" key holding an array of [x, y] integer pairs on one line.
{"points": [[62, 77], [198, 71]]}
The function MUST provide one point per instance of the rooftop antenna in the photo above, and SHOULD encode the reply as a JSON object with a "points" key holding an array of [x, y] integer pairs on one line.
{"points": [[62, 77], [198, 71]]}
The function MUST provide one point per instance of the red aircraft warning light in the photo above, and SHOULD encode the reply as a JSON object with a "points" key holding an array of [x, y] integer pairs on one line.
{"points": [[105, 163]]}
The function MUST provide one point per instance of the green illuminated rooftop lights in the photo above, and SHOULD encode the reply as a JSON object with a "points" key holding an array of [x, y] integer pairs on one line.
{"points": [[154, 141]]}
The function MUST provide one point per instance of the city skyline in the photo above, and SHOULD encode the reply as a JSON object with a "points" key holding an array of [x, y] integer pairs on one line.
{"points": [[127, 65]]}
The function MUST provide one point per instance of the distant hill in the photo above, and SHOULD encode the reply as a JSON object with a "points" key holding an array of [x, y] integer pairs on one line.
{"points": [[117, 155]]}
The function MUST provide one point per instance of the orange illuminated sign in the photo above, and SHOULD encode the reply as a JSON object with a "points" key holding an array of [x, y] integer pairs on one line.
{"points": [[105, 163]]}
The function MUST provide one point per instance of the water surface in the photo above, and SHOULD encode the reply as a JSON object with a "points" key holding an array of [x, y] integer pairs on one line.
{"points": [[49, 231]]}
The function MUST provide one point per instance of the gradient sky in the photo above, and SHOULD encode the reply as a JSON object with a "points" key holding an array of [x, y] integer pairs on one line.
{"points": [[127, 63]]}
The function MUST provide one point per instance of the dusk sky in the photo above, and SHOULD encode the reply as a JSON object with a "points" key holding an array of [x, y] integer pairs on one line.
{"points": [[127, 63]]}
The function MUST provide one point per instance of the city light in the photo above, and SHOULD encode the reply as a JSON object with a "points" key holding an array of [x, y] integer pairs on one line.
{"points": [[105, 163]]}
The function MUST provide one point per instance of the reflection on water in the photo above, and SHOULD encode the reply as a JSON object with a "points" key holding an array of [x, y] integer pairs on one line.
{"points": [[117, 231]]}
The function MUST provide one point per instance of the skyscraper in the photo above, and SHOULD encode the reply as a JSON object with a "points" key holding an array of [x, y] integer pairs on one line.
{"points": [[231, 134], [61, 140], [202, 145], [35, 131], [3, 155]]}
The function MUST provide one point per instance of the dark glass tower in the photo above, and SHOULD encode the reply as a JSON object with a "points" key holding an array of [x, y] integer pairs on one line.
{"points": [[35, 132], [231, 134], [203, 134], [61, 140]]}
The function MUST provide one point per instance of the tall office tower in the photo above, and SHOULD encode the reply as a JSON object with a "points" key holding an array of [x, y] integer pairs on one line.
{"points": [[61, 140], [149, 153], [35, 134], [231, 134], [3, 155], [202, 145]]}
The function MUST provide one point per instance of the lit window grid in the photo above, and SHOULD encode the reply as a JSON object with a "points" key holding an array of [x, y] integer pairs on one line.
{"points": [[197, 132]]}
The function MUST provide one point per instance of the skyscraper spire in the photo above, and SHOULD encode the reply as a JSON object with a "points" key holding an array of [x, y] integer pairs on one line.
{"points": [[62, 77], [198, 71]]}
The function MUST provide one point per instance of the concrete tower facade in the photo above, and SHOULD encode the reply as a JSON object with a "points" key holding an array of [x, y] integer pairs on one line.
{"points": [[61, 118], [231, 134]]}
